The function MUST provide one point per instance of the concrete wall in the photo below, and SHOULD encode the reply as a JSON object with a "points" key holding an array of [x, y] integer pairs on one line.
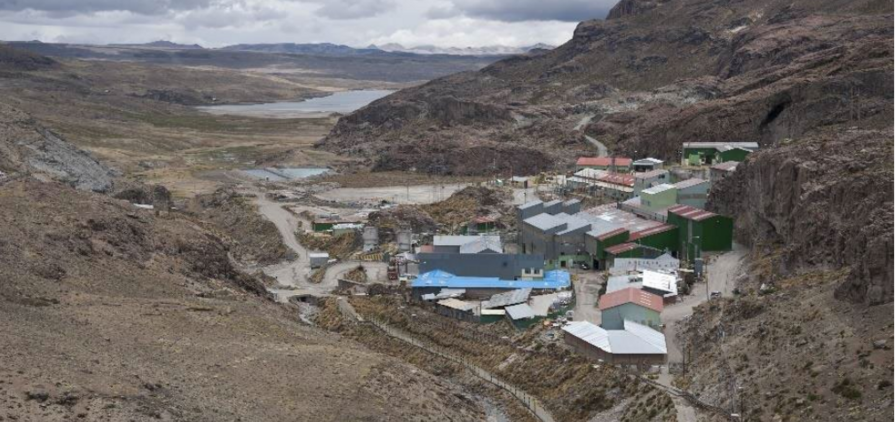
{"points": [[614, 318], [504, 266]]}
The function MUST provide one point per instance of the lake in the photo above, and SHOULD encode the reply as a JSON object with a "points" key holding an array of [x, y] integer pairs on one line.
{"points": [[339, 102]]}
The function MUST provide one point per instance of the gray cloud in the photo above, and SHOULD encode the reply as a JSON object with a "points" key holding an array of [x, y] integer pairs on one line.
{"points": [[354, 9], [67, 7], [535, 10]]}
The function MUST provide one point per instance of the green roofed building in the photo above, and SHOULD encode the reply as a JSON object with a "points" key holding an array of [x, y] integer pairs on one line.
{"points": [[708, 153], [700, 231]]}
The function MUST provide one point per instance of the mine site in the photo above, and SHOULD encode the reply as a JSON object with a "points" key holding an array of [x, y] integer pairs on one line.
{"points": [[673, 210]]}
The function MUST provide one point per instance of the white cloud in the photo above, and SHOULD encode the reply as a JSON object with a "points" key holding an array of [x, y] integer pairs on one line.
{"points": [[215, 23]]}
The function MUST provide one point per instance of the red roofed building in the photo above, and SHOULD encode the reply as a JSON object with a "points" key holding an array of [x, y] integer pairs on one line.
{"points": [[630, 304], [620, 164]]}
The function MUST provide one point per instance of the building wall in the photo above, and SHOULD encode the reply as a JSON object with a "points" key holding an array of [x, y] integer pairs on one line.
{"points": [[662, 241], [600, 254], [717, 233], [596, 354], [694, 196], [736, 154], [659, 200], [614, 318], [528, 212], [446, 249], [504, 266], [646, 183], [706, 155]]}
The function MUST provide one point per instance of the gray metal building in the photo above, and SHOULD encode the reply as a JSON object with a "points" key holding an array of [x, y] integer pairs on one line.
{"points": [[501, 265]]}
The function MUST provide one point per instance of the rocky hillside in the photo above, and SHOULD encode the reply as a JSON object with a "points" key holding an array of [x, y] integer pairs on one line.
{"points": [[657, 73], [28, 148], [109, 313]]}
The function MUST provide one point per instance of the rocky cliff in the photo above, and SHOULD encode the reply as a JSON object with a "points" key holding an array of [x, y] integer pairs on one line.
{"points": [[826, 201], [654, 75], [26, 147]]}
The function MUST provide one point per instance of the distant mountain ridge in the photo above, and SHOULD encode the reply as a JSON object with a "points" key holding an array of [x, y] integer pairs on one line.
{"points": [[339, 49], [490, 50]]}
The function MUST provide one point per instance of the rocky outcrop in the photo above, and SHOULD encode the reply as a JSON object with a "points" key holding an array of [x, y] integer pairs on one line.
{"points": [[827, 201], [760, 71], [26, 147]]}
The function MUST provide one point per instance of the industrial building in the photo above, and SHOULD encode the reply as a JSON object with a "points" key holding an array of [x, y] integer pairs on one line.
{"points": [[720, 171], [658, 198], [533, 208], [693, 192], [615, 186], [647, 164], [636, 344], [648, 179], [700, 231], [483, 287], [466, 244], [708, 153], [664, 263], [630, 304], [613, 164], [501, 265]]}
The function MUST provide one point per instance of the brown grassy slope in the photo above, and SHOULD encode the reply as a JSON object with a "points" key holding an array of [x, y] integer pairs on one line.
{"points": [[108, 313]]}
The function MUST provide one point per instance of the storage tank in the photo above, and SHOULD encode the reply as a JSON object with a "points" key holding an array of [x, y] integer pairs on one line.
{"points": [[371, 238], [404, 240]]}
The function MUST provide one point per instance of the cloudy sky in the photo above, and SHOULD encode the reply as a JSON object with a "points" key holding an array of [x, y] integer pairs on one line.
{"points": [[215, 23]]}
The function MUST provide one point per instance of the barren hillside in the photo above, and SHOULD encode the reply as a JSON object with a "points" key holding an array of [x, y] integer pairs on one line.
{"points": [[655, 74], [109, 313]]}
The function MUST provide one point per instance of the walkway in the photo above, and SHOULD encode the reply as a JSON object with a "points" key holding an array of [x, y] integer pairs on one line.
{"points": [[527, 400]]}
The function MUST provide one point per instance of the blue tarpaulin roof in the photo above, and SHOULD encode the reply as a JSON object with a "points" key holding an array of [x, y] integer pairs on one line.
{"points": [[556, 280]]}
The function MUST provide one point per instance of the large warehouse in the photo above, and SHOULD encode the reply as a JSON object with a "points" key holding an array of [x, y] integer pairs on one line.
{"points": [[636, 344]]}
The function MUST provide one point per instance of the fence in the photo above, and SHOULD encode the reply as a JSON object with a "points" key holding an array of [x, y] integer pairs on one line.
{"points": [[527, 400]]}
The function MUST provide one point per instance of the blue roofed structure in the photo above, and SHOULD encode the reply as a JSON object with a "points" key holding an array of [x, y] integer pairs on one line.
{"points": [[437, 279]]}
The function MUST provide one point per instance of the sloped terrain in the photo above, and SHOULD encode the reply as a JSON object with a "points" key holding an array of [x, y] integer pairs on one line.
{"points": [[26, 147], [110, 313], [657, 73]]}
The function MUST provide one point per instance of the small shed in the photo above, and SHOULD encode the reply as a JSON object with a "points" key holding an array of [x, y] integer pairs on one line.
{"points": [[318, 259], [647, 164], [521, 315]]}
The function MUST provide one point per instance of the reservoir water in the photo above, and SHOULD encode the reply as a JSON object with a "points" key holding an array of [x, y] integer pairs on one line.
{"points": [[339, 102]]}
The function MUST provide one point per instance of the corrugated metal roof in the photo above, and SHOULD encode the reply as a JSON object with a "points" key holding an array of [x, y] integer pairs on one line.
{"points": [[520, 311], [651, 231], [650, 174], [481, 244], [691, 213], [635, 339], [553, 280], [654, 338], [622, 248], [623, 265], [530, 204], [617, 179], [621, 282], [552, 203], [658, 189], [452, 240], [609, 234], [544, 221], [604, 161], [541, 304], [601, 227], [589, 173], [506, 299], [499, 312], [744, 145], [458, 304], [631, 295], [660, 281], [689, 183]]}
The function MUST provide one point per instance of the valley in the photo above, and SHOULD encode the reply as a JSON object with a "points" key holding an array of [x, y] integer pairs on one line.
{"points": [[684, 213]]}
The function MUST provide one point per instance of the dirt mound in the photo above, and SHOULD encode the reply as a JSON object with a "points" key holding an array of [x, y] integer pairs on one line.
{"points": [[391, 219], [110, 313], [468, 203], [254, 240], [340, 247]]}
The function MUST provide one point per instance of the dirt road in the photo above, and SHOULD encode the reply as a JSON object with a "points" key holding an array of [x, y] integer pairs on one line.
{"points": [[586, 297], [721, 275]]}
